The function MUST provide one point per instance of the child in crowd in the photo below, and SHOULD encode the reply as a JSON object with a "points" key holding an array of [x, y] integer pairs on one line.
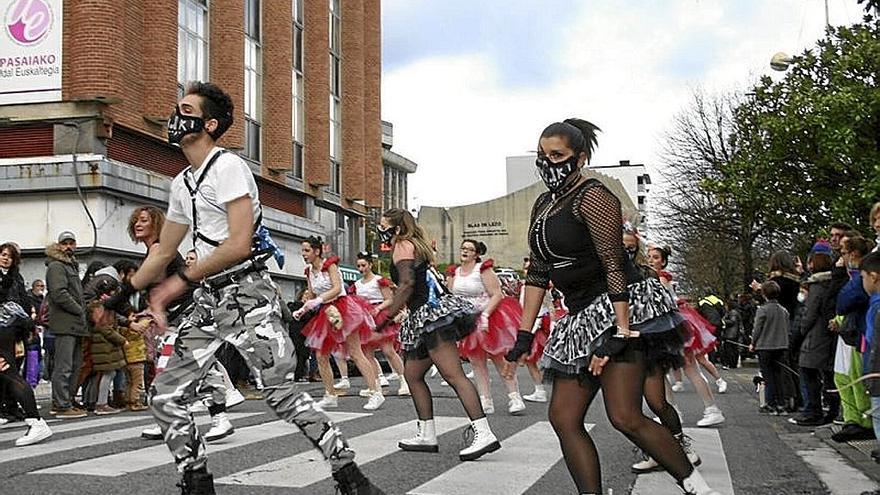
{"points": [[135, 351], [870, 272], [770, 341], [107, 341]]}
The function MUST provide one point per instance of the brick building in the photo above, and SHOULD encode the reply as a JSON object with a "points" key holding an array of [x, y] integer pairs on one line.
{"points": [[305, 79]]}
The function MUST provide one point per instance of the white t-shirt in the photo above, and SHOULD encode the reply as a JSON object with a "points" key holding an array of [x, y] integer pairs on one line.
{"points": [[228, 179]]}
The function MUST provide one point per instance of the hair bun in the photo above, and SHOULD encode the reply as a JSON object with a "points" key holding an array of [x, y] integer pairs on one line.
{"points": [[481, 248]]}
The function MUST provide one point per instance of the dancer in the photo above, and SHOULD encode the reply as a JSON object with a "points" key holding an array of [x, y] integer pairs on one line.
{"points": [[546, 318], [499, 320], [377, 291], [699, 339], [338, 325], [216, 197], [434, 321], [215, 389], [575, 241]]}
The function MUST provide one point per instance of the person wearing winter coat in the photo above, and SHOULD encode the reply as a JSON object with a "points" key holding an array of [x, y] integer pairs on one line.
{"points": [[817, 342], [107, 341], [770, 341], [67, 321]]}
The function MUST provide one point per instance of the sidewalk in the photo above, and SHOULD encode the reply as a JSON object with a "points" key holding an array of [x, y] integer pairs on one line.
{"points": [[858, 453]]}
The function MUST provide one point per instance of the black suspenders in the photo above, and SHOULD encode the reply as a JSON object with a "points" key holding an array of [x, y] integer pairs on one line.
{"points": [[193, 192]]}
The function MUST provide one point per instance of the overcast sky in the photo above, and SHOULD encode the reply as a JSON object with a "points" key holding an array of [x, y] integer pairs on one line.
{"points": [[468, 82]]}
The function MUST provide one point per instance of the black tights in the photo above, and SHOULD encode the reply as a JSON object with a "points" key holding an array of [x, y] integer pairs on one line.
{"points": [[655, 396], [445, 357], [18, 391], [622, 387]]}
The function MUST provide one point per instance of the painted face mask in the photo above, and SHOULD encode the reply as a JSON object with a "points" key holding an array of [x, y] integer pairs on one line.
{"points": [[179, 125], [554, 175], [385, 235]]}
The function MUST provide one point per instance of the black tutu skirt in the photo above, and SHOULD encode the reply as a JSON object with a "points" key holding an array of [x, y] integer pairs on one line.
{"points": [[450, 319], [652, 311]]}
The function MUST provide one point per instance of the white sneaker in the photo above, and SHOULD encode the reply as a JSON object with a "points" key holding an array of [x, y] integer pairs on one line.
{"points": [[365, 392], [342, 384], [515, 404], [152, 433], [393, 377], [540, 395], [37, 431], [484, 441], [646, 465], [327, 402], [677, 387], [375, 402], [198, 407], [3, 420], [722, 385], [711, 416], [488, 405], [383, 382], [220, 427], [404, 388], [425, 439], [688, 447], [233, 398]]}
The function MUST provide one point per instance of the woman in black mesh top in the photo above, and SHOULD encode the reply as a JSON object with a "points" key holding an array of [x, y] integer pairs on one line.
{"points": [[620, 325]]}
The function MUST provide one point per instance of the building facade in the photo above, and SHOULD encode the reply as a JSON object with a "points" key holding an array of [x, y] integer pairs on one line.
{"points": [[502, 223], [304, 76]]}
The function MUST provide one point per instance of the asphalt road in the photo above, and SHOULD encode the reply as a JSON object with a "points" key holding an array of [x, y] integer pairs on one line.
{"points": [[749, 454]]}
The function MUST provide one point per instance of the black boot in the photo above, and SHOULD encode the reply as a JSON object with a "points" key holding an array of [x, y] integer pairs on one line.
{"points": [[351, 481], [198, 482]]}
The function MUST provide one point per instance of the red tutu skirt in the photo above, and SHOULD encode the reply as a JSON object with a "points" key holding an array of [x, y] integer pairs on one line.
{"points": [[540, 340], [700, 337], [377, 339], [322, 336], [503, 324]]}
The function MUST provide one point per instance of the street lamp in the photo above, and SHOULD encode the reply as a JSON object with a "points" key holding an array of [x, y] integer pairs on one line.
{"points": [[780, 61]]}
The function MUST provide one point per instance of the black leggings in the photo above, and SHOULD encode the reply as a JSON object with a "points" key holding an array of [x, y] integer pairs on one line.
{"points": [[655, 396], [445, 356], [18, 390], [622, 387]]}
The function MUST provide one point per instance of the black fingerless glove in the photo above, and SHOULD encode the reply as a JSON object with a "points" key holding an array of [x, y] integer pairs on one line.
{"points": [[119, 301], [522, 346], [612, 347]]}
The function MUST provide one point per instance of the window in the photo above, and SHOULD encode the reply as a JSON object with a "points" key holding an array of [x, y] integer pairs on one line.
{"points": [[335, 98], [253, 80], [192, 42], [298, 101]]}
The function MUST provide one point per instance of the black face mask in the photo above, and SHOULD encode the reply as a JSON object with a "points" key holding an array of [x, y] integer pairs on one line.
{"points": [[632, 253], [179, 125], [384, 235], [554, 175]]}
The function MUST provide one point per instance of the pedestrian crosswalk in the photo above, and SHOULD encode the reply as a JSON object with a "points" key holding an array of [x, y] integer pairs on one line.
{"points": [[528, 458]]}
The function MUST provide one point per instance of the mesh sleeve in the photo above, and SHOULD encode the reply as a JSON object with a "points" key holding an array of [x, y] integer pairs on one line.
{"points": [[600, 210], [539, 270]]}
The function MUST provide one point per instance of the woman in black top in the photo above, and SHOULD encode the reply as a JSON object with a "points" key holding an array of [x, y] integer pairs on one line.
{"points": [[435, 320], [575, 239]]}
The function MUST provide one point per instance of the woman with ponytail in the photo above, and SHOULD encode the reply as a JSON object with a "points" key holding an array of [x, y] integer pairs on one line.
{"points": [[337, 325], [500, 317], [376, 290], [621, 326], [432, 321]]}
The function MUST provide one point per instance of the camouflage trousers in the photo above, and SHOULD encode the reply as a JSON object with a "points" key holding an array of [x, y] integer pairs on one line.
{"points": [[247, 314]]}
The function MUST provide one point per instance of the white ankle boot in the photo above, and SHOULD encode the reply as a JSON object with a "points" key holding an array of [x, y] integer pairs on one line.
{"points": [[515, 404], [696, 485], [488, 405], [383, 382], [540, 395], [220, 427], [484, 441], [688, 448], [425, 439], [37, 431]]}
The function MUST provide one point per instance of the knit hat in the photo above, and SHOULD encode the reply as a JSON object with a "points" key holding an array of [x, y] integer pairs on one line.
{"points": [[821, 247]]}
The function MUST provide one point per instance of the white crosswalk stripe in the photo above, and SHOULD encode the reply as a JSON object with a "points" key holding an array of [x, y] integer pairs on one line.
{"points": [[714, 469], [300, 471], [157, 455], [64, 427], [78, 442], [522, 460]]}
